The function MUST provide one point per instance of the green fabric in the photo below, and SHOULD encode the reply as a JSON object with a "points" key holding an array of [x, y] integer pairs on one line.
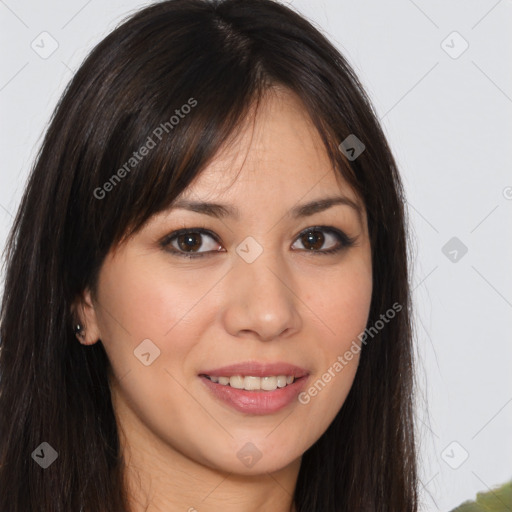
{"points": [[497, 500]]}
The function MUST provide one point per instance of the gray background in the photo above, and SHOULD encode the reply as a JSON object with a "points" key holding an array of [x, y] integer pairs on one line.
{"points": [[447, 115]]}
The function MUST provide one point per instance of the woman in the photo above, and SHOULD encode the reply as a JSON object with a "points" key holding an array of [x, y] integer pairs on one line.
{"points": [[206, 302]]}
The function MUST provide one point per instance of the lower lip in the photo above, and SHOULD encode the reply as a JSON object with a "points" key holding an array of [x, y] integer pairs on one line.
{"points": [[257, 402]]}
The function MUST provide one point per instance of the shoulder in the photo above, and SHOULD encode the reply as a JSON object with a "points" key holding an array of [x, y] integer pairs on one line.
{"points": [[497, 500]]}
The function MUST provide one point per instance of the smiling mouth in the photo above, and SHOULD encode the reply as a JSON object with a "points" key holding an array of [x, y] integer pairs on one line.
{"points": [[256, 394], [254, 383]]}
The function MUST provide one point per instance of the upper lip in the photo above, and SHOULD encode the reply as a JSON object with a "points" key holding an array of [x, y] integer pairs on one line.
{"points": [[256, 369]]}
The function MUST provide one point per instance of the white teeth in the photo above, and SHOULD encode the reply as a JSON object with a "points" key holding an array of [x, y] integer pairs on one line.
{"points": [[251, 383], [281, 381], [268, 383], [236, 382]]}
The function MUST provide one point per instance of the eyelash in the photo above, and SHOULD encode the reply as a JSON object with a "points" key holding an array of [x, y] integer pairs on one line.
{"points": [[344, 241]]}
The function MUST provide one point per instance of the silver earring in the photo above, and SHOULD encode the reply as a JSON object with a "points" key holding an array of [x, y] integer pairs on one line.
{"points": [[79, 330]]}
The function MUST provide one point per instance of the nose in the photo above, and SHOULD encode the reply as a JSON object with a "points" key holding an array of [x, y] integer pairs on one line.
{"points": [[260, 300]]}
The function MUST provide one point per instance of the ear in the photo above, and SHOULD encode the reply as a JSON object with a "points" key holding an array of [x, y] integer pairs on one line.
{"points": [[84, 313]]}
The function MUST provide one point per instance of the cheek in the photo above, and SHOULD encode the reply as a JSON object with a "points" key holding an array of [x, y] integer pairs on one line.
{"points": [[138, 303], [342, 301], [342, 310], [147, 310], [146, 301]]}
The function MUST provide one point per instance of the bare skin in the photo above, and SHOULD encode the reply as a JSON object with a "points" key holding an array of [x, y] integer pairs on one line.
{"points": [[292, 304]]}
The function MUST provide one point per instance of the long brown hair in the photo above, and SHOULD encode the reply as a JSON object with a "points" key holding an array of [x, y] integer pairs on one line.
{"points": [[222, 55]]}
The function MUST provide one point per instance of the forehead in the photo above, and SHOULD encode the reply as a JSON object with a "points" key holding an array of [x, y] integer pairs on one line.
{"points": [[277, 154]]}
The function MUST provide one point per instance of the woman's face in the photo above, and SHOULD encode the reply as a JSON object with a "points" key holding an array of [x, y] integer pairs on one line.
{"points": [[261, 291]]}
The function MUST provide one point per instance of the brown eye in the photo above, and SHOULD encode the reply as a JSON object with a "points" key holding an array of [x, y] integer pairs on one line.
{"points": [[324, 240], [313, 240], [197, 242], [191, 242]]}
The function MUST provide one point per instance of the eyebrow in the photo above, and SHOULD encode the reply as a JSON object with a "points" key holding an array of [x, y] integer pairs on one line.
{"points": [[304, 210]]}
